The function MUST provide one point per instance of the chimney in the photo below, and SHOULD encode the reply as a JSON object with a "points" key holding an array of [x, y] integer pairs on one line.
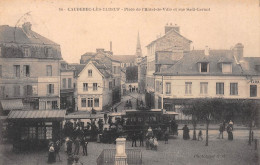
{"points": [[206, 51], [111, 46], [100, 50], [238, 51], [170, 27]]}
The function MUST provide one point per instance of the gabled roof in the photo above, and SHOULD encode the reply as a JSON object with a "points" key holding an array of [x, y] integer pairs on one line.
{"points": [[170, 31], [77, 67], [10, 34], [124, 58], [188, 65]]}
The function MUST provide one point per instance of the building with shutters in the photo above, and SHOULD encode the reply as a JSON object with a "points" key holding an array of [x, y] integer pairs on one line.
{"points": [[29, 68]]}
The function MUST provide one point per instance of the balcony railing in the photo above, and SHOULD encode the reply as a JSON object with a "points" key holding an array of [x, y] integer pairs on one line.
{"points": [[107, 157]]}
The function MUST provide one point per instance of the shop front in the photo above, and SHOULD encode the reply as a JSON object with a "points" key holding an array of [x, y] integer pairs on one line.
{"points": [[34, 129]]}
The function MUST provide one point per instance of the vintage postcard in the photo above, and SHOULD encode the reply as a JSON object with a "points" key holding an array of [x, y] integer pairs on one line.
{"points": [[129, 82]]}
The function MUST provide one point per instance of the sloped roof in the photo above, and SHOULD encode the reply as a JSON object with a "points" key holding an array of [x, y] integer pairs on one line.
{"points": [[249, 65], [77, 67], [10, 34], [102, 68], [124, 58], [188, 65], [170, 31]]}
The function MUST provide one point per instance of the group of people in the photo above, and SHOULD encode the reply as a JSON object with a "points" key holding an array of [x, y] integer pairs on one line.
{"points": [[83, 142], [229, 129]]}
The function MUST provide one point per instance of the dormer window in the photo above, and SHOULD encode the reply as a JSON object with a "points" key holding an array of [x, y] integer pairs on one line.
{"points": [[204, 67], [226, 68], [47, 51], [26, 52]]}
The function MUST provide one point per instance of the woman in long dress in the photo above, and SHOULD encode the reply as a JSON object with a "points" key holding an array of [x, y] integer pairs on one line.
{"points": [[51, 157]]}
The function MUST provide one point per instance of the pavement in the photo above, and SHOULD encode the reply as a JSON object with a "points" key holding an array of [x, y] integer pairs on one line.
{"points": [[176, 152]]}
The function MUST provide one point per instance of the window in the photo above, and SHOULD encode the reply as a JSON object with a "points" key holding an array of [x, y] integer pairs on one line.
{"points": [[203, 67], [89, 73], [41, 133], [32, 132], [114, 69], [188, 88], [1, 71], [90, 102], [253, 90], [49, 70], [85, 86], [69, 82], [28, 90], [26, 52], [114, 82], [220, 88], [24, 133], [64, 83], [96, 102], [54, 105], [168, 88], [157, 86], [50, 89], [16, 90], [110, 85], [2, 91], [233, 89], [17, 71], [83, 102], [47, 51], [48, 132], [226, 68], [203, 88], [26, 70], [94, 86]]}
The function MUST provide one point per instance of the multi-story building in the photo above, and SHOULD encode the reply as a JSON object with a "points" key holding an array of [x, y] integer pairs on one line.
{"points": [[164, 52], [29, 68], [112, 66], [94, 86], [142, 66], [207, 73], [67, 86]]}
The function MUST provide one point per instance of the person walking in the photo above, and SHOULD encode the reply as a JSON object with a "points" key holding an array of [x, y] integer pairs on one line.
{"points": [[229, 131], [84, 144], [105, 118], [134, 140], [57, 149], [166, 137], [77, 146], [221, 130], [186, 131], [141, 138], [200, 135], [69, 146]]}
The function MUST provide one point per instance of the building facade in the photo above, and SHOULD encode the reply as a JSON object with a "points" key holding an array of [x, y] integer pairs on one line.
{"points": [[29, 68]]}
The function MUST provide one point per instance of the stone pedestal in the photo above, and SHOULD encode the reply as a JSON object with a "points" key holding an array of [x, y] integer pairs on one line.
{"points": [[121, 157]]}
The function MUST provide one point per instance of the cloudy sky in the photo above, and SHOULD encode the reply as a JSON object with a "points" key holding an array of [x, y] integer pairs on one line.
{"points": [[224, 24]]}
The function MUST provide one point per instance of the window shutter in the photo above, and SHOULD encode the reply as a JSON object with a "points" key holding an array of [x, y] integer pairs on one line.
{"points": [[48, 89], [25, 90]]}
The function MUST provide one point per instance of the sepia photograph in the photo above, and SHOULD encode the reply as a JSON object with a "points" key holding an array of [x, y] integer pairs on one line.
{"points": [[129, 82]]}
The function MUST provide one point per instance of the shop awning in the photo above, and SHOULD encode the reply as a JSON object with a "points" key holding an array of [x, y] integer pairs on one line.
{"points": [[12, 104], [84, 116], [37, 115]]}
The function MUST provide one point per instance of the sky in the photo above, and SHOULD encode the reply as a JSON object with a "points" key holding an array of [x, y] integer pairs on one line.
{"points": [[221, 26]]}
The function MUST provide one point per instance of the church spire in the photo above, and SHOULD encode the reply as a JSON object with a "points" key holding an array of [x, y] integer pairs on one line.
{"points": [[138, 47]]}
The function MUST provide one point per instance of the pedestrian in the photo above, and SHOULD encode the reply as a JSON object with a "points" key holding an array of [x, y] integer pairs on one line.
{"points": [[105, 118], [77, 145], [231, 124], [200, 135], [134, 140], [69, 146], [51, 156], [166, 137], [186, 131], [141, 138], [65, 144], [115, 109], [221, 130], [57, 149], [84, 144], [229, 131]]}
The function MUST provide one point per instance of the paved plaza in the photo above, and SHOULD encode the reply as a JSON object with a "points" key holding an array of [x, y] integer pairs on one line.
{"points": [[177, 152]]}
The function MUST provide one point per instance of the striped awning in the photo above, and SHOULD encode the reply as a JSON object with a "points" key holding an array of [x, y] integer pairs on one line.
{"points": [[37, 115], [12, 104]]}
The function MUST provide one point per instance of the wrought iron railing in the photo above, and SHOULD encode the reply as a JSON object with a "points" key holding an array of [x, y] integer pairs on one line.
{"points": [[107, 157]]}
